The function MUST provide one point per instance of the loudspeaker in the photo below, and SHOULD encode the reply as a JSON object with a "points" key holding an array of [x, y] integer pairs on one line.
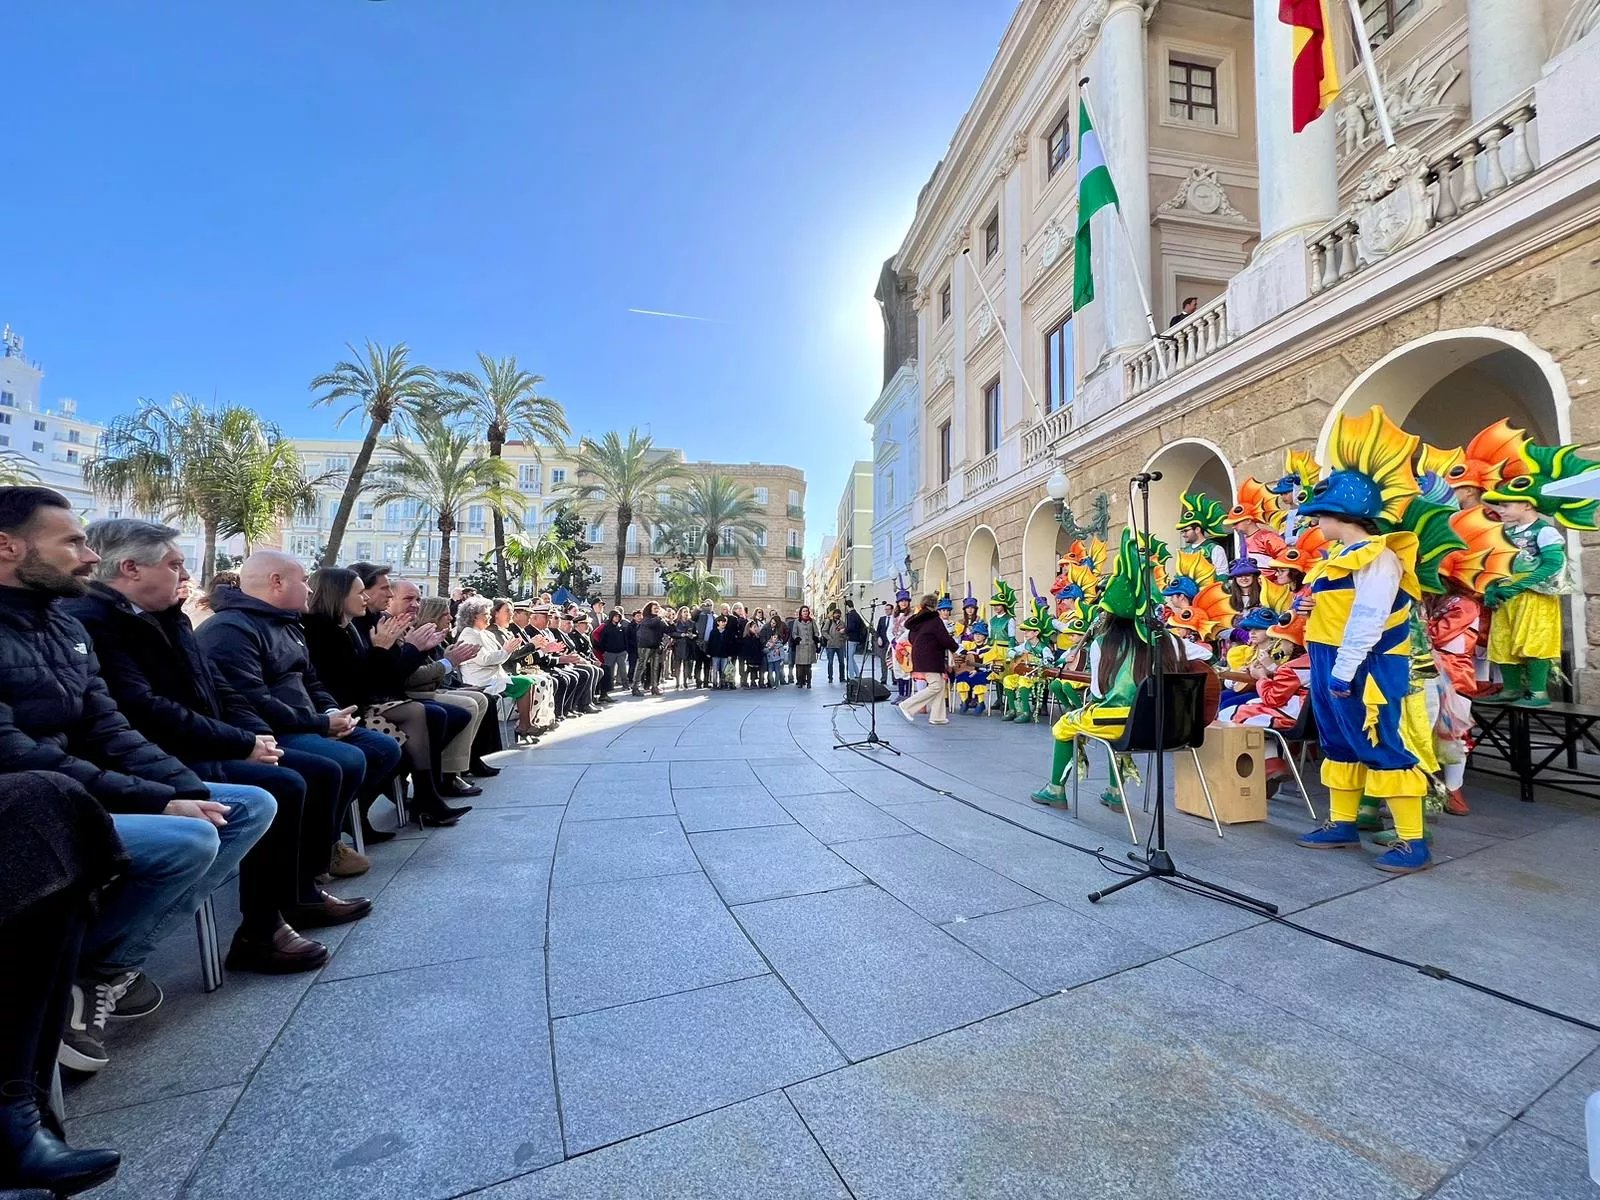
{"points": [[864, 691], [1231, 757]]}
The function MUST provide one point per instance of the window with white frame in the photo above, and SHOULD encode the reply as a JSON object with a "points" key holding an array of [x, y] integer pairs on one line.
{"points": [[38, 426], [1201, 88], [658, 584], [761, 539], [338, 462], [630, 582], [1058, 145], [391, 553], [663, 497], [530, 477], [558, 476], [633, 538], [7, 400], [727, 578], [794, 498], [5, 418], [761, 496], [794, 539], [475, 518], [363, 510], [304, 547], [758, 577], [597, 533], [794, 579], [1058, 366], [363, 551]]}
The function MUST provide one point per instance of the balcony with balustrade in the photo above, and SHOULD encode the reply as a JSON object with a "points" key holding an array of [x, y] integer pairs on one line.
{"points": [[793, 552]]}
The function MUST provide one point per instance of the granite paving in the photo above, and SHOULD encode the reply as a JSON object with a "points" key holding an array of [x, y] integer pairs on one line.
{"points": [[684, 948]]}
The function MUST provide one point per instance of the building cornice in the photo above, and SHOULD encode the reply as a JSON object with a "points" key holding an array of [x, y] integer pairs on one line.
{"points": [[901, 386]]}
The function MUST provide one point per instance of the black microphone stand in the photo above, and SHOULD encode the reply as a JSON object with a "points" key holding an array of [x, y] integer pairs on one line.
{"points": [[1156, 858], [872, 740]]}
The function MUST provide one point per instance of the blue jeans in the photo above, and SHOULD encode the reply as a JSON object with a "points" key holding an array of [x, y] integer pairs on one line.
{"points": [[177, 863], [835, 655], [854, 654], [365, 758]]}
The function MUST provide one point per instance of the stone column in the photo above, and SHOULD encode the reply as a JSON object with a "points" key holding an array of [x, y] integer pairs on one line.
{"points": [[1118, 94], [1299, 173], [1506, 51], [1014, 404]]}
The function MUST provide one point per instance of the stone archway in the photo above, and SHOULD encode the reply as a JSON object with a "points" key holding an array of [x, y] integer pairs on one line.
{"points": [[1188, 465], [1043, 543], [982, 563], [1445, 387], [935, 570]]}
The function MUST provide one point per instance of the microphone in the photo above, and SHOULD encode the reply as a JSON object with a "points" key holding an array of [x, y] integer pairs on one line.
{"points": [[1147, 477]]}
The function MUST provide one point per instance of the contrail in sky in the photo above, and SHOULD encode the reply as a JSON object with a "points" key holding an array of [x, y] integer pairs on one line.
{"points": [[650, 312]]}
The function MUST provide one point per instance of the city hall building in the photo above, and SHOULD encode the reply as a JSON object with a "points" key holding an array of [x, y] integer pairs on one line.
{"points": [[1452, 278]]}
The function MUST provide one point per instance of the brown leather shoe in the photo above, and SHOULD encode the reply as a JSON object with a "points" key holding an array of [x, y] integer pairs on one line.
{"points": [[346, 863], [283, 953], [330, 910]]}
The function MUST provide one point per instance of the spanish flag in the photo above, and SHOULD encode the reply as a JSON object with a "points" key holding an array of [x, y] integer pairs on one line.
{"points": [[1316, 75]]}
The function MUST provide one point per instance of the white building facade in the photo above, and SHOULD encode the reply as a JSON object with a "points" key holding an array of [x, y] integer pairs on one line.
{"points": [[1444, 278], [896, 464]]}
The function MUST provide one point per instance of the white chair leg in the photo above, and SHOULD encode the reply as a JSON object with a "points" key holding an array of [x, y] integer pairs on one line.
{"points": [[402, 802], [355, 827], [1122, 792], [1294, 769], [1205, 788], [205, 928]]}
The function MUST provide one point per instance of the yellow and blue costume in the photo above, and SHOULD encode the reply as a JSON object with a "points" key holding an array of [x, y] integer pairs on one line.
{"points": [[1358, 636]]}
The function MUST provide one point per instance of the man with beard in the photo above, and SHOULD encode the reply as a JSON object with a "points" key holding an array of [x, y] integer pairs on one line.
{"points": [[183, 837]]}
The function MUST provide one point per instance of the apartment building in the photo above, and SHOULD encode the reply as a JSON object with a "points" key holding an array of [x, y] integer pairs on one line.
{"points": [[853, 532], [1450, 278], [384, 534]]}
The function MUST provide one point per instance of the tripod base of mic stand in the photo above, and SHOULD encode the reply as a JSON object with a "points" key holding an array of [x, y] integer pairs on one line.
{"points": [[871, 741], [1158, 864]]}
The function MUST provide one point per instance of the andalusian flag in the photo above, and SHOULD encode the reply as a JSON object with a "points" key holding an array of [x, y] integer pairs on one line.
{"points": [[1095, 191], [1315, 74]]}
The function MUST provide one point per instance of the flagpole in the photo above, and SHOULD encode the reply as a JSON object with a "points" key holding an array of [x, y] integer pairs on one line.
{"points": [[1127, 235], [1364, 47], [989, 300]]}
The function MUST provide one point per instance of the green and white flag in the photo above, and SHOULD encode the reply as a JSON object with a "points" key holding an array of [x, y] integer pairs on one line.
{"points": [[1095, 191]]}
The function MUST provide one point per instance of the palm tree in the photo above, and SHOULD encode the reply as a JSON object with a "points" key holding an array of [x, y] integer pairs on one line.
{"points": [[534, 554], [688, 588], [16, 470], [268, 486], [624, 477], [447, 470], [221, 467], [722, 510], [505, 402], [390, 392]]}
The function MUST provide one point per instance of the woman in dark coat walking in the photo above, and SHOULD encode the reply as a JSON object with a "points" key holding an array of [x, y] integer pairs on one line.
{"points": [[931, 646]]}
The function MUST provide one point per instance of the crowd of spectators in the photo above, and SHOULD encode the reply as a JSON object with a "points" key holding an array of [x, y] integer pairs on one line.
{"points": [[157, 742]]}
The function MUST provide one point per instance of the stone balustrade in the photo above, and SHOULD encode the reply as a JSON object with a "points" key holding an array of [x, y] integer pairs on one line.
{"points": [[1197, 337], [983, 473], [1037, 440], [1405, 194], [936, 501]]}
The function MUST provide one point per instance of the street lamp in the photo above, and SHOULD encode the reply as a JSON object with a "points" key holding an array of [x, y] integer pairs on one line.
{"points": [[1056, 486]]}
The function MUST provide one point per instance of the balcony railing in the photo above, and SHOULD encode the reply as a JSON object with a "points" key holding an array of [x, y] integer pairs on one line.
{"points": [[797, 511], [938, 500], [1405, 194], [1198, 336], [534, 487], [1036, 442], [793, 552], [793, 593], [727, 590], [630, 589], [983, 473], [726, 551]]}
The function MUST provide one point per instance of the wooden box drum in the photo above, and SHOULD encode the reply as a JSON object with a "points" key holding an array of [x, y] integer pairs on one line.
{"points": [[1233, 759]]}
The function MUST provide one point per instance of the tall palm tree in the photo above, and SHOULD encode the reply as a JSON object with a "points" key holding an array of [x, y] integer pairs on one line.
{"points": [[505, 403], [223, 468], [688, 588], [447, 470], [16, 470], [624, 477], [390, 392], [722, 509]]}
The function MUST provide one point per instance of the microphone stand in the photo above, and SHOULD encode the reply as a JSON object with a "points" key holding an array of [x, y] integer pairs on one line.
{"points": [[872, 740], [1155, 858]]}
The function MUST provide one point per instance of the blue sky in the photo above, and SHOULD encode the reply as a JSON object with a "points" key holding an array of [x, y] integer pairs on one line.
{"points": [[214, 198]]}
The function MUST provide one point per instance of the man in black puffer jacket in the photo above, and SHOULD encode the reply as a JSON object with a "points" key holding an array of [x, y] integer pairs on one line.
{"points": [[168, 691], [183, 837]]}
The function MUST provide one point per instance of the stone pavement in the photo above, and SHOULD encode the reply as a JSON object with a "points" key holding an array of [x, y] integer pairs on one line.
{"points": [[687, 949]]}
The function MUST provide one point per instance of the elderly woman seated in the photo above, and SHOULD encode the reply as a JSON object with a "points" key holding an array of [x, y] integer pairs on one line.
{"points": [[487, 669]]}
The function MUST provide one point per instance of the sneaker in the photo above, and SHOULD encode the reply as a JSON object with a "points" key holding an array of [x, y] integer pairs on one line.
{"points": [[1111, 799], [912, 717], [83, 1045], [1335, 835], [1048, 795], [946, 721], [347, 863], [134, 994], [1405, 857]]}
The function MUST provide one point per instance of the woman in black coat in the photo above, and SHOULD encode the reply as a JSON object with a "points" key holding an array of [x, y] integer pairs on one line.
{"points": [[753, 645], [339, 656], [57, 846]]}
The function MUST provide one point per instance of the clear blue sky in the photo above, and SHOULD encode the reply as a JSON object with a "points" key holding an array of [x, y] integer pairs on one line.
{"points": [[214, 197]]}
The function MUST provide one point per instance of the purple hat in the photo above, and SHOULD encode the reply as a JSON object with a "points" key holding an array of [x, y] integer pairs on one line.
{"points": [[1243, 566], [901, 593]]}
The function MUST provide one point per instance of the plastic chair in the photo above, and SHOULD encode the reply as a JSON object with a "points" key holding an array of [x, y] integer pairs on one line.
{"points": [[1183, 727]]}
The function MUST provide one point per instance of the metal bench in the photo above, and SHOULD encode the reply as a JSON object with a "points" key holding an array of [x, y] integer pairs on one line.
{"points": [[1530, 740]]}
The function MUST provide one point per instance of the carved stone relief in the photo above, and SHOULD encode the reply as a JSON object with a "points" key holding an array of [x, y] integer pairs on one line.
{"points": [[1202, 195], [1415, 99]]}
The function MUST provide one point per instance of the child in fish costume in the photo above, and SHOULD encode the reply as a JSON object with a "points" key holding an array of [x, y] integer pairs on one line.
{"points": [[1002, 635], [1257, 517], [1201, 529], [1359, 631], [1025, 687], [1525, 634]]}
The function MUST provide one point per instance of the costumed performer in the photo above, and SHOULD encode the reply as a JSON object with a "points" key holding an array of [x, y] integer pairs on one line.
{"points": [[1201, 529], [1525, 633], [1358, 635], [1002, 633], [1256, 516]]}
